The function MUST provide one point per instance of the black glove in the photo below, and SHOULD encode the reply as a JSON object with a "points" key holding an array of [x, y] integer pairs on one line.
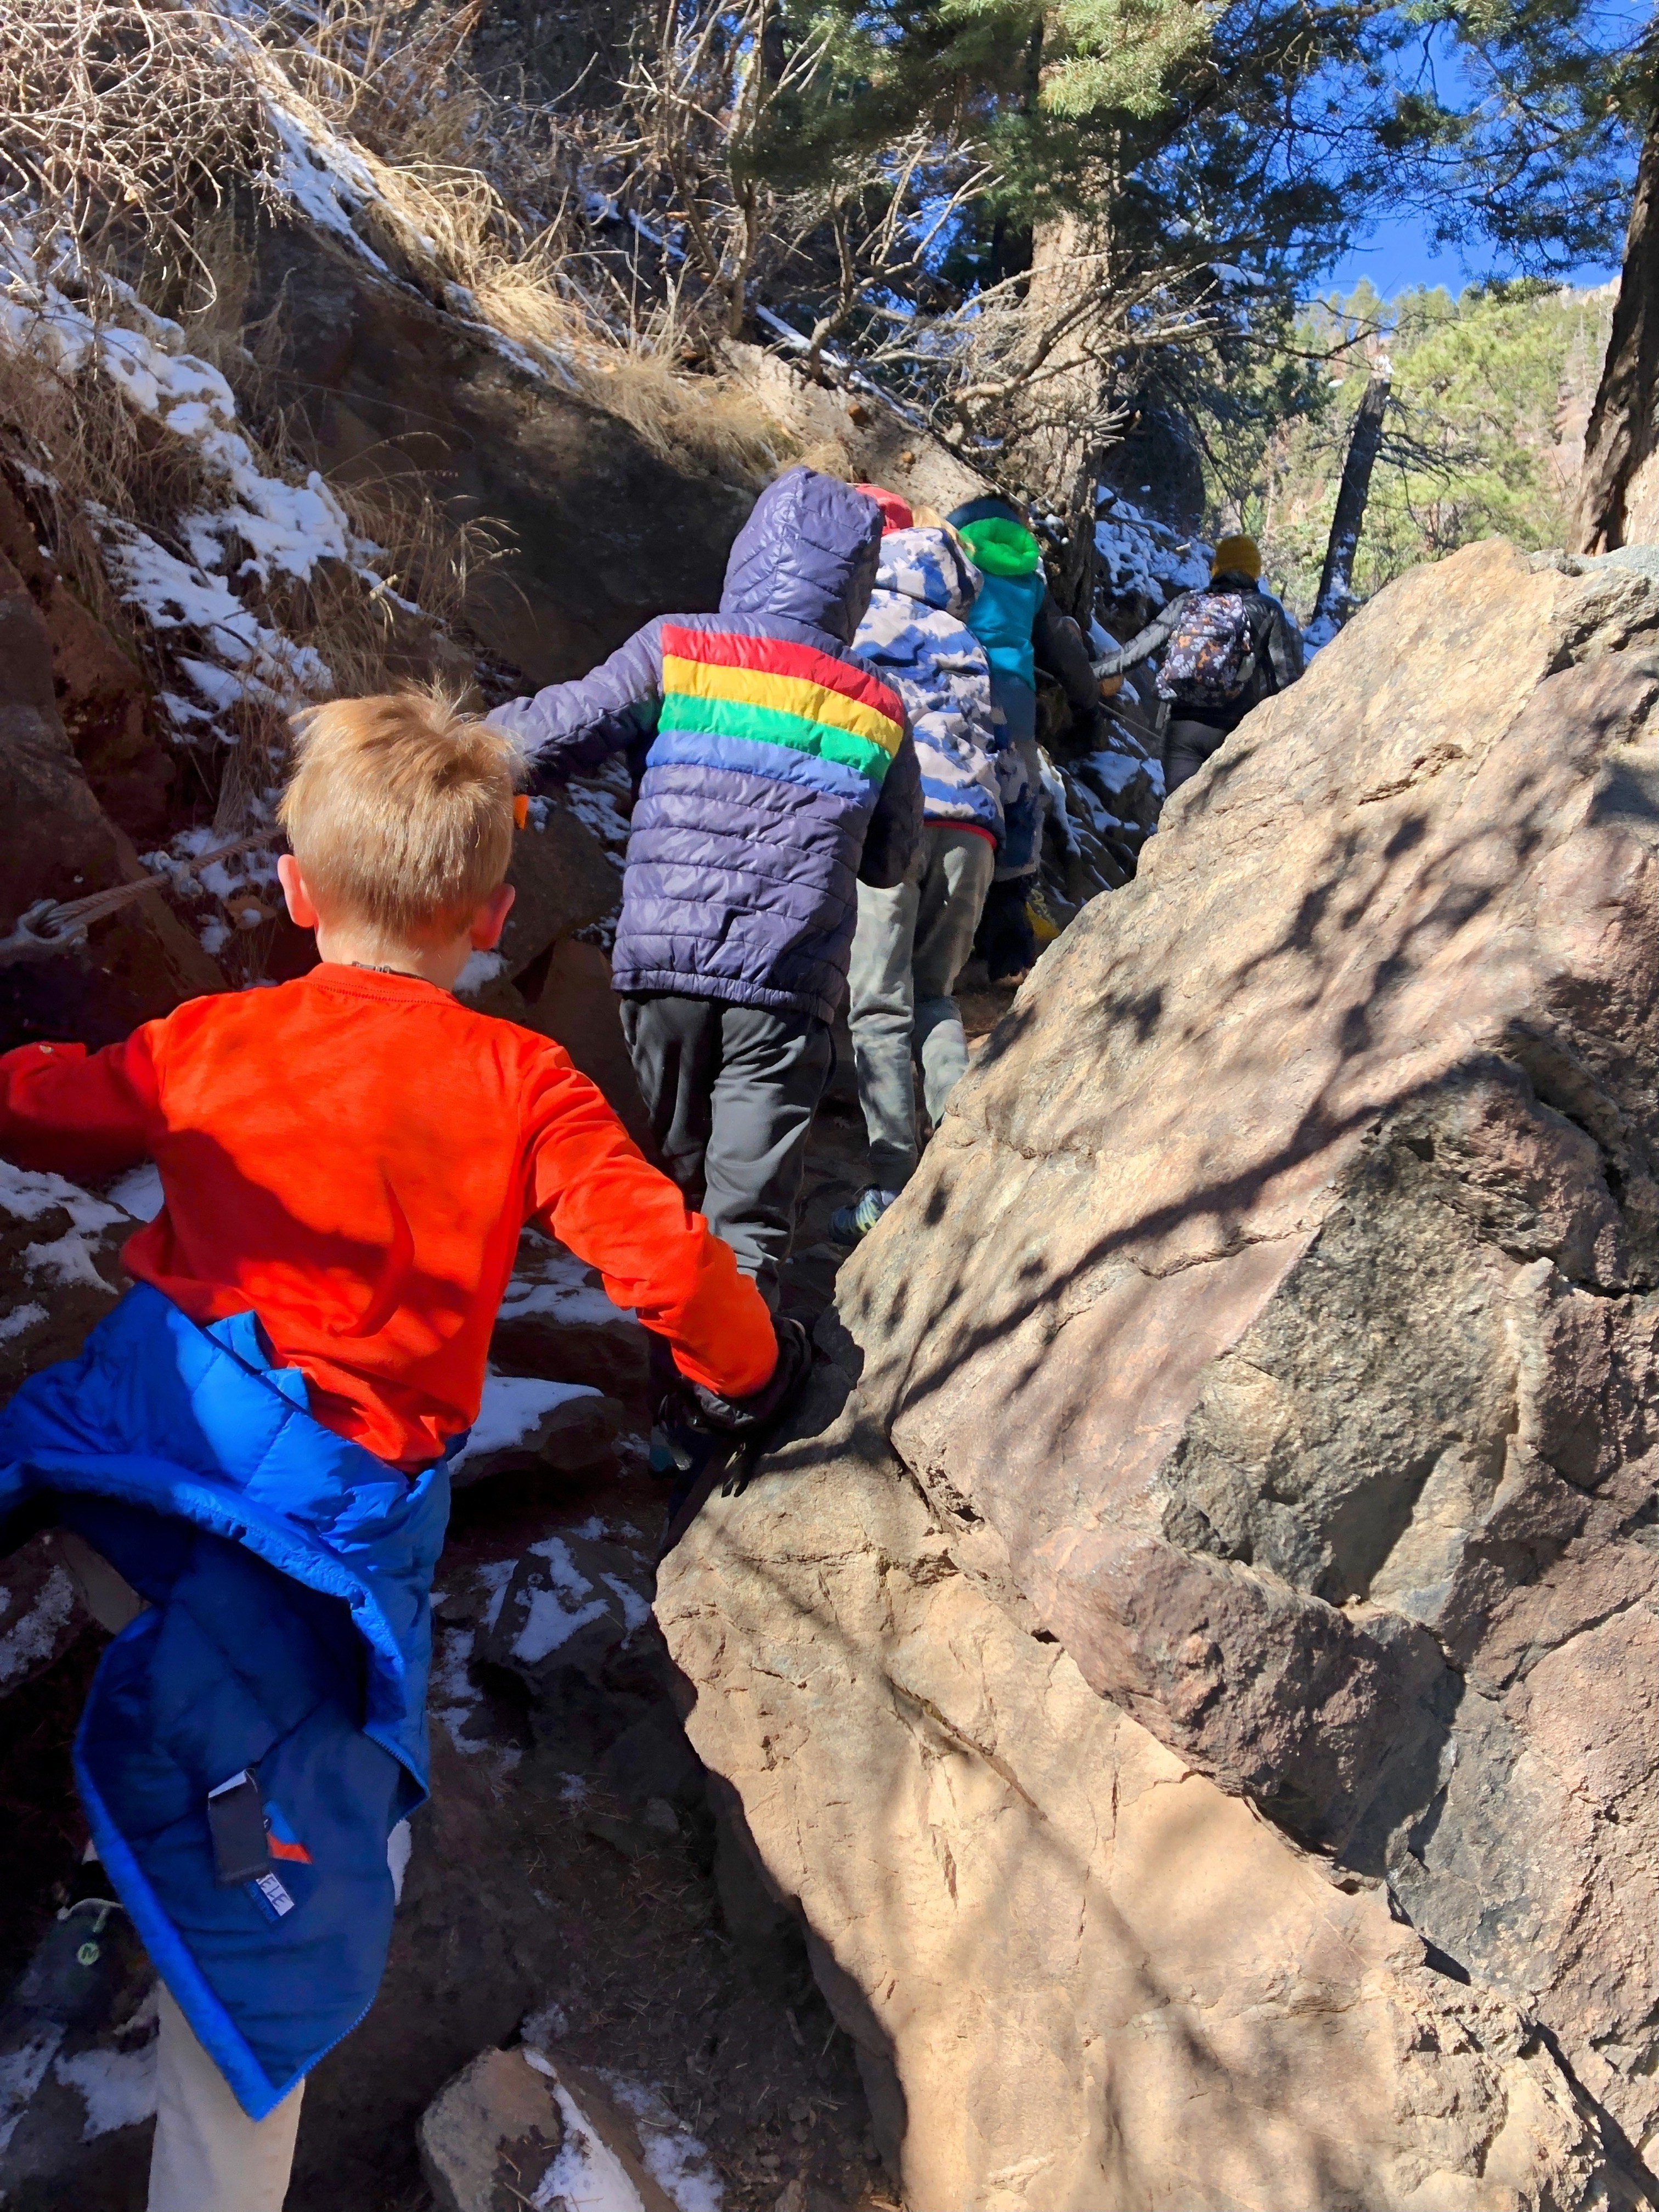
{"points": [[706, 1434], [764, 1410]]}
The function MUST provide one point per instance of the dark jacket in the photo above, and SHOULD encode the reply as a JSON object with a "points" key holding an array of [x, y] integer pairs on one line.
{"points": [[1279, 656], [780, 774]]}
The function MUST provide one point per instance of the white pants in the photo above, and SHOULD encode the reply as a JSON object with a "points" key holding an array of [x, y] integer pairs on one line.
{"points": [[209, 2155]]}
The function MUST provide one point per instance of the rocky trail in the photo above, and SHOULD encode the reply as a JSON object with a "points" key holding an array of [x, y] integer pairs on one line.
{"points": [[1173, 1727]]}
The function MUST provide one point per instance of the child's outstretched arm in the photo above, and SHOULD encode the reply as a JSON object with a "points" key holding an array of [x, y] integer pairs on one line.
{"points": [[896, 824], [572, 726], [78, 1114], [592, 1188]]}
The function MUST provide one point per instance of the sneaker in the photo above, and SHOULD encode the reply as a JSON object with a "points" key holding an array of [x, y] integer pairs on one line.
{"points": [[78, 1966], [848, 1224]]}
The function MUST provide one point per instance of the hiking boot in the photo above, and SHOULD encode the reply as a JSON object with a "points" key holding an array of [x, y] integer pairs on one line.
{"points": [[1045, 926], [848, 1224]]}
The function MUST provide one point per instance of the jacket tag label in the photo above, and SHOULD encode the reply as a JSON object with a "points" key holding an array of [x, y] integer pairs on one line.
{"points": [[272, 1894]]}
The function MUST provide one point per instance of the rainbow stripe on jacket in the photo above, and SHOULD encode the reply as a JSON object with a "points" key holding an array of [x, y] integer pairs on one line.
{"points": [[719, 684]]}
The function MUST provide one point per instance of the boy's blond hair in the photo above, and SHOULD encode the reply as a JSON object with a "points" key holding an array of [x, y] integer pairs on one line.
{"points": [[399, 810]]}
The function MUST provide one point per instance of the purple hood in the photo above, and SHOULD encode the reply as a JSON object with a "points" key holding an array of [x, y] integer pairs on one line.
{"points": [[807, 555]]}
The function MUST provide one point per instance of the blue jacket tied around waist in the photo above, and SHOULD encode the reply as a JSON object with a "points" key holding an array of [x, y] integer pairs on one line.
{"points": [[288, 1632], [780, 774]]}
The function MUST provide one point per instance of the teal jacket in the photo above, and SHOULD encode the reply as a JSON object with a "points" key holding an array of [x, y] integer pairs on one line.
{"points": [[1003, 618]]}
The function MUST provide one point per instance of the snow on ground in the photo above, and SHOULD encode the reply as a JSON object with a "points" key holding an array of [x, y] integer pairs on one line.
{"points": [[481, 968], [674, 2158], [278, 528], [399, 1845], [1115, 769], [23, 2070], [26, 1195], [560, 1285], [569, 1602], [586, 2176], [494, 1575], [550, 1622], [600, 803], [28, 1192], [512, 1409], [328, 181], [117, 2087], [138, 1192], [1100, 817], [245, 888], [34, 1634], [455, 1699]]}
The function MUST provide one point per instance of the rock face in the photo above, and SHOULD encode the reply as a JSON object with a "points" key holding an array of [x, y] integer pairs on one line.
{"points": [[603, 532], [60, 844], [516, 2128], [1250, 1396]]}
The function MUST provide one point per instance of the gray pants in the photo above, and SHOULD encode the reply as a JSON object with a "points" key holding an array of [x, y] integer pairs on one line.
{"points": [[730, 1091], [1186, 746], [908, 949]]}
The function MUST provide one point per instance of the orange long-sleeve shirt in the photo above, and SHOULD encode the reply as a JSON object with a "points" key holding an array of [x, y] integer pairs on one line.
{"points": [[352, 1156]]}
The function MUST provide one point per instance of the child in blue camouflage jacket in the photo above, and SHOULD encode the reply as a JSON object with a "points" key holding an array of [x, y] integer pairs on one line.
{"points": [[911, 941]]}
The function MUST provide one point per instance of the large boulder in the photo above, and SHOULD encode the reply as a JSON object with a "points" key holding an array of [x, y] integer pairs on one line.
{"points": [[1250, 1396], [106, 704]]}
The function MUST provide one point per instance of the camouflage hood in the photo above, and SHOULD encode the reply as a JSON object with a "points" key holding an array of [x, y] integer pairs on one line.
{"points": [[915, 638], [930, 566]]}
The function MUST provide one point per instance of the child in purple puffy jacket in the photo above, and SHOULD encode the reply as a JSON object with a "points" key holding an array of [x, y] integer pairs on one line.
{"points": [[780, 773]]}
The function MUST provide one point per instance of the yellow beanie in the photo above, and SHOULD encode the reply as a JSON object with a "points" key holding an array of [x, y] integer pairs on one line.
{"points": [[1237, 556]]}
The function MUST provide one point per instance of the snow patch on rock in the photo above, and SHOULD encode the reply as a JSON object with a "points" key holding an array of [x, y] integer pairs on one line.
{"points": [[514, 1407]]}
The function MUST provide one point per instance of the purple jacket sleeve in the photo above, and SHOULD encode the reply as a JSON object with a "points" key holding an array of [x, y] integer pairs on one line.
{"points": [[572, 726], [895, 831]]}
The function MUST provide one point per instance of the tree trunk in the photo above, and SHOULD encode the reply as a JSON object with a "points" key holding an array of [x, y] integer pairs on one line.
{"points": [[1621, 433], [1336, 578], [1059, 455]]}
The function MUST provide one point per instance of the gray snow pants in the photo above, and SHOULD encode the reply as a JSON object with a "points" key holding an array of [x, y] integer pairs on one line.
{"points": [[730, 1091], [1186, 746], [907, 951]]}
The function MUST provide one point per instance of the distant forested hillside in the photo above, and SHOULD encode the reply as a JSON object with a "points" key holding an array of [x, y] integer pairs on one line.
{"points": [[1485, 428]]}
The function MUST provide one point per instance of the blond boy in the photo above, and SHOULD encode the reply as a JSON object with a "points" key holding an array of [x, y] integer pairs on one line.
{"points": [[255, 1439]]}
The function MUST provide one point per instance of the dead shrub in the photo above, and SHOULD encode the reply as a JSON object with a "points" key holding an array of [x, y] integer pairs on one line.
{"points": [[120, 120]]}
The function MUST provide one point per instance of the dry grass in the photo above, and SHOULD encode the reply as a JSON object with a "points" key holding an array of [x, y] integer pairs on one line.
{"points": [[123, 124], [683, 418], [74, 442], [123, 120], [120, 120]]}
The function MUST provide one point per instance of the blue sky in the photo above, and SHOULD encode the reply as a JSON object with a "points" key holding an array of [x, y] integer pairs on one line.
{"points": [[1398, 255]]}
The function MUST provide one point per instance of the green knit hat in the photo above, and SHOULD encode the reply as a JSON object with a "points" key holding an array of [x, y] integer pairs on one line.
{"points": [[1000, 547]]}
